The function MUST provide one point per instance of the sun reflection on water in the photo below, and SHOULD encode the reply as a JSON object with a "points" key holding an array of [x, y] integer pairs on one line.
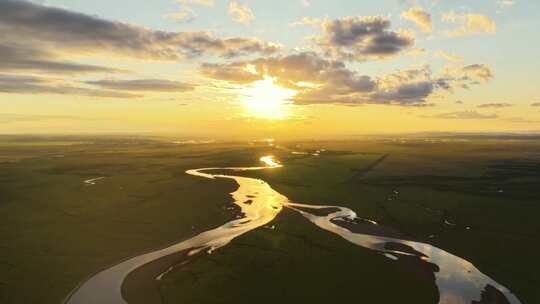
{"points": [[270, 162]]}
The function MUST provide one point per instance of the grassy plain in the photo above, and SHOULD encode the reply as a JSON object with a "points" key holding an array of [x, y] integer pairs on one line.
{"points": [[476, 198]]}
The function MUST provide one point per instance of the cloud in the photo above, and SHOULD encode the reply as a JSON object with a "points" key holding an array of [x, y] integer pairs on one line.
{"points": [[311, 21], [235, 47], [16, 117], [197, 2], [14, 57], [448, 57], [503, 5], [362, 38], [421, 18], [61, 31], [535, 104], [158, 85], [480, 72], [320, 80], [186, 12], [406, 93], [465, 76], [233, 72], [18, 84], [470, 24], [463, 115], [184, 15], [241, 13], [296, 71], [522, 120], [409, 87], [495, 105]]}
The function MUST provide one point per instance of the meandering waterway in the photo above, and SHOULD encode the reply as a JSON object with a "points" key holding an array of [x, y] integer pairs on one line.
{"points": [[457, 280]]}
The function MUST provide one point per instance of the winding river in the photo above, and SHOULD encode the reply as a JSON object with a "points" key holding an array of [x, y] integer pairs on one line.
{"points": [[457, 280]]}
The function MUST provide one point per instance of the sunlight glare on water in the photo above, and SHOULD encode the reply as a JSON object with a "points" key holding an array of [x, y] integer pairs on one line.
{"points": [[269, 160]]}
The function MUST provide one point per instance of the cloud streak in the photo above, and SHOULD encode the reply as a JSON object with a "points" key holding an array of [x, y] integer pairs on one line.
{"points": [[448, 57], [463, 115], [154, 85], [17, 117], [310, 21], [14, 57], [18, 84], [496, 105]]}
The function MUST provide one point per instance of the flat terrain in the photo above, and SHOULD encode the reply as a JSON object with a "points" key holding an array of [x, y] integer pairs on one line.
{"points": [[476, 198]]}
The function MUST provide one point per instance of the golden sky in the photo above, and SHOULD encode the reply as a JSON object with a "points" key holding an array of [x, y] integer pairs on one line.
{"points": [[306, 68]]}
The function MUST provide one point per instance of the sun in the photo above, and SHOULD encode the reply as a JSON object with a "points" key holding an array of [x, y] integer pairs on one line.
{"points": [[264, 99]]}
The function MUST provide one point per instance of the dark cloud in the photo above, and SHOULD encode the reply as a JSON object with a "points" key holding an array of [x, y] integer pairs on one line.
{"points": [[15, 57], [158, 85], [407, 93], [18, 84], [463, 115], [536, 104], [323, 80], [495, 105], [405, 88], [361, 38], [64, 31]]}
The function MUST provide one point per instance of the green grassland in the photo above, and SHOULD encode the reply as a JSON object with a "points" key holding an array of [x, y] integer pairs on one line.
{"points": [[56, 230]]}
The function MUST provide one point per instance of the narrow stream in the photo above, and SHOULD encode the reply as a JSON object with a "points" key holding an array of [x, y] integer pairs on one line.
{"points": [[458, 281]]}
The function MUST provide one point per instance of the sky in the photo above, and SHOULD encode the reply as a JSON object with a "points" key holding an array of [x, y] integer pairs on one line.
{"points": [[257, 69]]}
